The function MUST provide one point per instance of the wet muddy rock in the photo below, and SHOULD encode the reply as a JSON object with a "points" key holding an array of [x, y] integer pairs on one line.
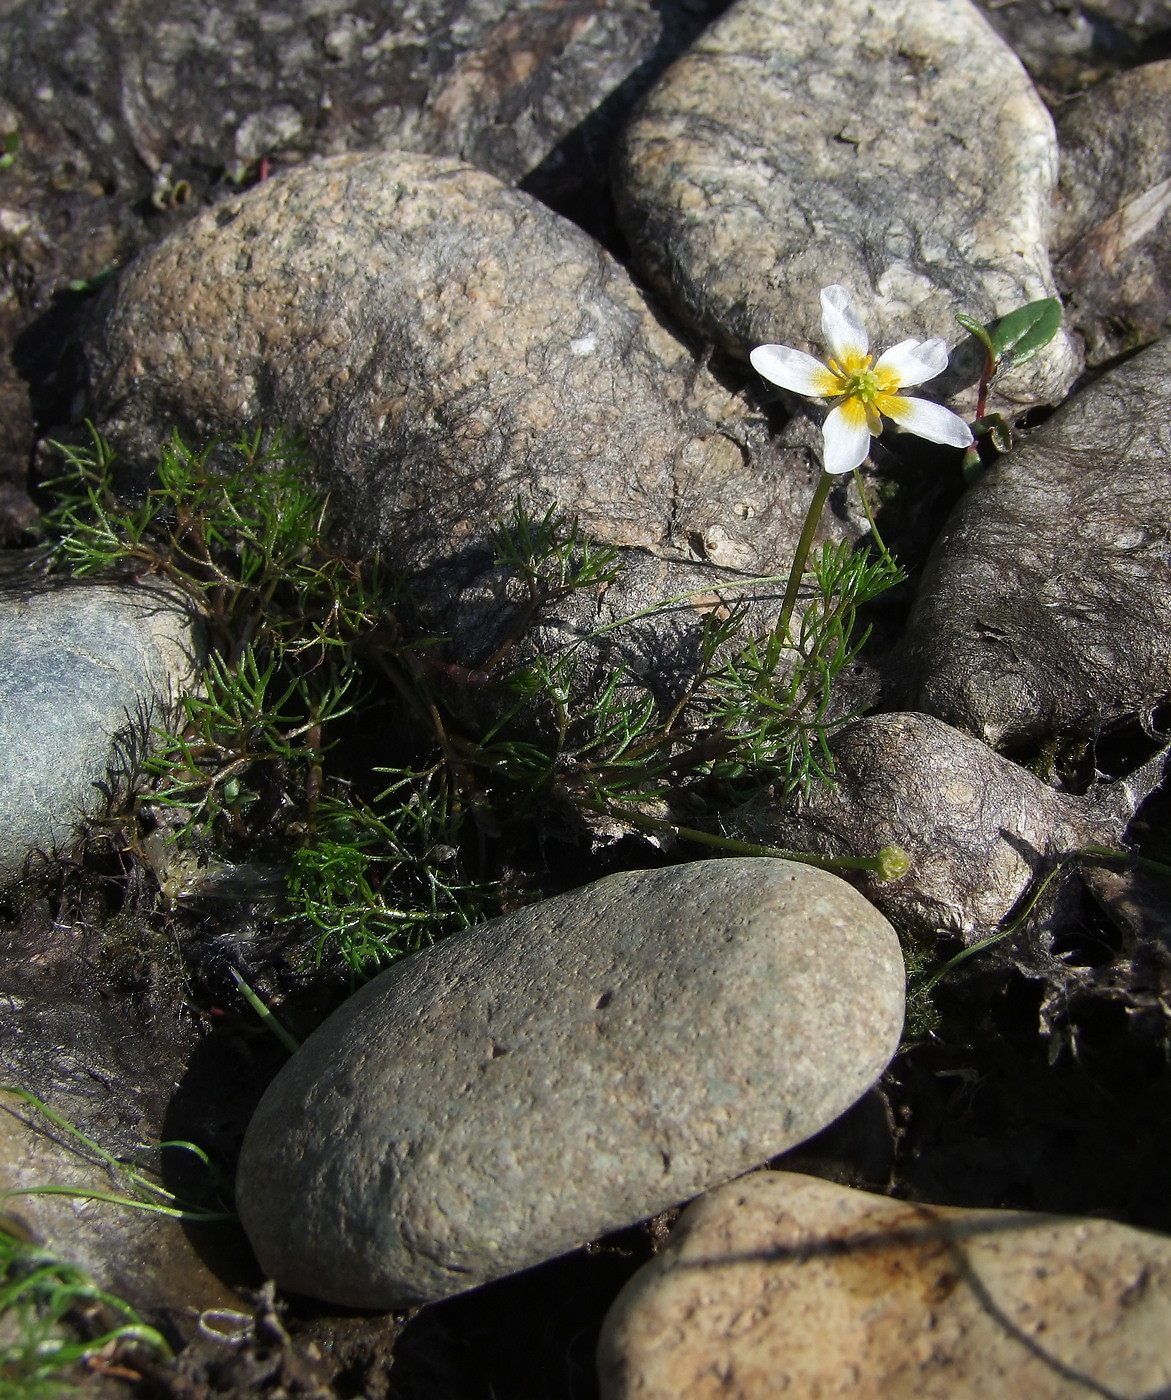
{"points": [[1044, 607], [1113, 234]]}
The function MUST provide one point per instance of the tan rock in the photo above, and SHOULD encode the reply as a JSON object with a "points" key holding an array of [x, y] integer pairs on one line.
{"points": [[783, 1285]]}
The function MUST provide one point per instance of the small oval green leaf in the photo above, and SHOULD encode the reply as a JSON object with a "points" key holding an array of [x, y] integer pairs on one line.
{"points": [[1018, 336]]}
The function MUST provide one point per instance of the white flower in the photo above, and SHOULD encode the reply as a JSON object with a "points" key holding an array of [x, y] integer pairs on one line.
{"points": [[866, 389]]}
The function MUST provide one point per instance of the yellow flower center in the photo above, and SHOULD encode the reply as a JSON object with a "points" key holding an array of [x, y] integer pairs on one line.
{"points": [[862, 385], [868, 388]]}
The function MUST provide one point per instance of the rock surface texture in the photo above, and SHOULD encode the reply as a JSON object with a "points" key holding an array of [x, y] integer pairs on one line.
{"points": [[1113, 233], [783, 1284], [1044, 607], [978, 827], [186, 84], [79, 666], [899, 149], [565, 1070], [1067, 45], [384, 306], [130, 115]]}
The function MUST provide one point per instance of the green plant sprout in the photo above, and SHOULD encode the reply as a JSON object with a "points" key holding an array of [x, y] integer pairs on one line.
{"points": [[301, 644], [53, 1318], [135, 1188], [1011, 341], [267, 1018], [9, 145]]}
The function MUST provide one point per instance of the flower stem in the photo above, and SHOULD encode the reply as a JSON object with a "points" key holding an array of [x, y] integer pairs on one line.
{"points": [[875, 536], [801, 557], [889, 864]]}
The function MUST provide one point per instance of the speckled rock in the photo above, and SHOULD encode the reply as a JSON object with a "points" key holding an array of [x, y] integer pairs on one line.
{"points": [[1044, 607], [1113, 233], [978, 827], [899, 149], [132, 115], [80, 665], [384, 307], [565, 1070], [783, 1284]]}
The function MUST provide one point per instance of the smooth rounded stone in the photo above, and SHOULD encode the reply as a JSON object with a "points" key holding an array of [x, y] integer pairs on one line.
{"points": [[81, 665], [1044, 606], [563, 1071], [899, 149], [1113, 230], [977, 827], [784, 1284], [447, 346]]}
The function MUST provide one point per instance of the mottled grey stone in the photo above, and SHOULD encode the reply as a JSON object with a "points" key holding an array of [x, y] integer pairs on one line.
{"points": [[899, 149], [1113, 233], [1044, 607], [447, 346], [977, 827], [785, 1285], [565, 1070], [80, 665]]}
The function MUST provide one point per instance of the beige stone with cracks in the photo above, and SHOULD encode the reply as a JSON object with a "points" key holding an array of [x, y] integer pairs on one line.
{"points": [[784, 1285]]}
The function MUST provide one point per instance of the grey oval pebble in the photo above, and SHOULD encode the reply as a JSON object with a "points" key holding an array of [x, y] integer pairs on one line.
{"points": [[563, 1071], [80, 665]]}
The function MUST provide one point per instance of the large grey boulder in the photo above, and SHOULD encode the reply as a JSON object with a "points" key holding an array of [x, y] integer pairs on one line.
{"points": [[565, 1070], [80, 666], [447, 346], [898, 149], [1044, 607], [783, 1284]]}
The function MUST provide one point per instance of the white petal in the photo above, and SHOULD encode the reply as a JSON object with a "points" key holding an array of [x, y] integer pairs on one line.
{"points": [[913, 361], [847, 438], [841, 325], [793, 369], [928, 420]]}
